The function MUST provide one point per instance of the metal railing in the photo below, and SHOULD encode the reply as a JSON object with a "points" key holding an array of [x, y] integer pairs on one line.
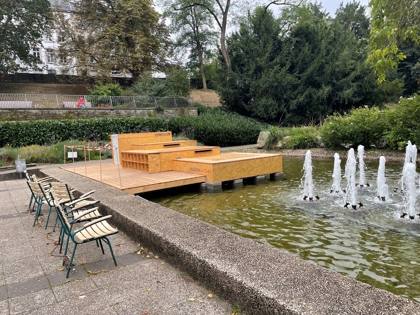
{"points": [[91, 101]]}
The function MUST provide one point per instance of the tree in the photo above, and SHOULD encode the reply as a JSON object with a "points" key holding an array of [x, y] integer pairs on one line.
{"points": [[393, 22], [352, 16], [22, 25], [115, 35], [193, 27], [299, 76], [220, 10]]}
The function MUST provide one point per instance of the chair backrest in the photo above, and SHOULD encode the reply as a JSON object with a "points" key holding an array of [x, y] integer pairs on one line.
{"points": [[63, 218], [36, 189], [60, 191], [28, 177]]}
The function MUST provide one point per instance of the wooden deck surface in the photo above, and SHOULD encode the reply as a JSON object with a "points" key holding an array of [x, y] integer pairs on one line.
{"points": [[134, 181]]}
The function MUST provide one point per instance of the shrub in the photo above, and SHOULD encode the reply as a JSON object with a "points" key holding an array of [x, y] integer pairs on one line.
{"points": [[300, 138], [364, 126], [24, 133], [109, 89], [48, 154], [215, 127], [404, 122]]}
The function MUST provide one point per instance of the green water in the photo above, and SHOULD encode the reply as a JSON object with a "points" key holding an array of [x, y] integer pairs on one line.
{"points": [[372, 245]]}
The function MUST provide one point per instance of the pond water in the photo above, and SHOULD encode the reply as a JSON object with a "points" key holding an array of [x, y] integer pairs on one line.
{"points": [[372, 245]]}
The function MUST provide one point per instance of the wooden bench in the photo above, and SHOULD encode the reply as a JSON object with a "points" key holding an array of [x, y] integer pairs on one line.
{"points": [[74, 104], [16, 104]]}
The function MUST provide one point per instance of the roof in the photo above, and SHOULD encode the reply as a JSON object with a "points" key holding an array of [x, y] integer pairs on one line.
{"points": [[62, 5]]}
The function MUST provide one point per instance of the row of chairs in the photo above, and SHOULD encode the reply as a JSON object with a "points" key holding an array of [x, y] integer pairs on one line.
{"points": [[70, 211]]}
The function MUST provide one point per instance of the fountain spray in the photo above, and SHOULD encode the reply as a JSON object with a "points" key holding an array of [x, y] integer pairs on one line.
{"points": [[306, 181], [360, 155], [409, 177], [381, 181], [351, 191], [336, 186], [410, 157]]}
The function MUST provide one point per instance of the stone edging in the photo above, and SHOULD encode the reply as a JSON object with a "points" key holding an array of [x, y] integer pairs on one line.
{"points": [[261, 279]]}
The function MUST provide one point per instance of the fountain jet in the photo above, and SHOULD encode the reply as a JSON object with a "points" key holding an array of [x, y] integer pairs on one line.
{"points": [[360, 155], [336, 186], [410, 157], [350, 174], [381, 181], [306, 181], [409, 177]]}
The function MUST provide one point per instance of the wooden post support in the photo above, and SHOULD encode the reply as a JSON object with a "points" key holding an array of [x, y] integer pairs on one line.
{"points": [[119, 173], [89, 156], [64, 149], [72, 155], [84, 150], [100, 163]]}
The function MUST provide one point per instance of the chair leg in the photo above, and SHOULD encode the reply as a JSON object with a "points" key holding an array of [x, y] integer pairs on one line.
{"points": [[100, 243], [106, 240], [67, 244], [61, 240], [71, 260], [38, 211], [30, 202], [97, 243], [48, 218]]}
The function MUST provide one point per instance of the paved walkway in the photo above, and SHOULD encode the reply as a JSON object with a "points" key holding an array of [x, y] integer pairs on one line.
{"points": [[32, 280]]}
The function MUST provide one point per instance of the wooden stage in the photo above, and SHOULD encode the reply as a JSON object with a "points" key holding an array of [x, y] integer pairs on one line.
{"points": [[134, 181]]}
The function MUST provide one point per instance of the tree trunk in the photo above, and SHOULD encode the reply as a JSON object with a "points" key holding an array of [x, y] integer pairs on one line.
{"points": [[223, 47], [200, 59]]}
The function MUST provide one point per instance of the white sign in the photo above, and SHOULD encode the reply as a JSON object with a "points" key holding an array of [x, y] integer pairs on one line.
{"points": [[115, 149], [72, 155]]}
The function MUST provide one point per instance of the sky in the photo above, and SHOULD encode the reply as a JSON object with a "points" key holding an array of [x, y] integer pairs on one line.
{"points": [[332, 5]]}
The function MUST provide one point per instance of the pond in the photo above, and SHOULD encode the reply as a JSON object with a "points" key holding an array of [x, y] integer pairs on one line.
{"points": [[372, 245]]}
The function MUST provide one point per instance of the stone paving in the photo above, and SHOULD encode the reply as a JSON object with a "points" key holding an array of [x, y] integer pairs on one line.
{"points": [[32, 280]]}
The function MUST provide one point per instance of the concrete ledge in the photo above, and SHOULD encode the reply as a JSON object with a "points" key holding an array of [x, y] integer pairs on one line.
{"points": [[261, 279]]}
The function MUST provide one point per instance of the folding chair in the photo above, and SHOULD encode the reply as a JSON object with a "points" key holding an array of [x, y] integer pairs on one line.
{"points": [[98, 230]]}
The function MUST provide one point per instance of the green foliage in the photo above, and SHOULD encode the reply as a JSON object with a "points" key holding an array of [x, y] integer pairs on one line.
{"points": [[404, 122], [365, 126], [22, 25], [107, 35], [201, 108], [24, 133], [109, 89], [176, 84], [299, 138], [393, 22], [146, 85], [49, 154], [194, 29], [302, 75], [353, 16], [215, 127]]}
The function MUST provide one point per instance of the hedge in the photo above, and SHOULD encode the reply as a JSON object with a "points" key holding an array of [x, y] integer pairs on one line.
{"points": [[216, 127], [24, 133]]}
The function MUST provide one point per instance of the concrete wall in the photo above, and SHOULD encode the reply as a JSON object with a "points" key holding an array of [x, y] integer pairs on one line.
{"points": [[71, 113]]}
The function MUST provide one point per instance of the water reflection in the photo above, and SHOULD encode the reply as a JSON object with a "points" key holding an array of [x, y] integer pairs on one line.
{"points": [[371, 245]]}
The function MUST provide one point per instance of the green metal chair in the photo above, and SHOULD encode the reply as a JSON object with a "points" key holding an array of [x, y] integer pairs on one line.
{"points": [[98, 230], [39, 198], [33, 178], [61, 193]]}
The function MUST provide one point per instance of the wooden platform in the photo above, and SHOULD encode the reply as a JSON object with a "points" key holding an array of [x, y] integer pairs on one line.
{"points": [[134, 181], [231, 166]]}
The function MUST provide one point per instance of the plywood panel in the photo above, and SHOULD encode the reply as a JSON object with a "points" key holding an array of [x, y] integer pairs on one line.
{"points": [[164, 145], [160, 160], [231, 166], [125, 141]]}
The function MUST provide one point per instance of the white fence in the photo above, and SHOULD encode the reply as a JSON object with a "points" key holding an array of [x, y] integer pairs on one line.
{"points": [[90, 101]]}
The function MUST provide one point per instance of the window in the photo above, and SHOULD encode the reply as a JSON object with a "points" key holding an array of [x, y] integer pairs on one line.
{"points": [[48, 37], [35, 52], [63, 59], [61, 38], [50, 55]]}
